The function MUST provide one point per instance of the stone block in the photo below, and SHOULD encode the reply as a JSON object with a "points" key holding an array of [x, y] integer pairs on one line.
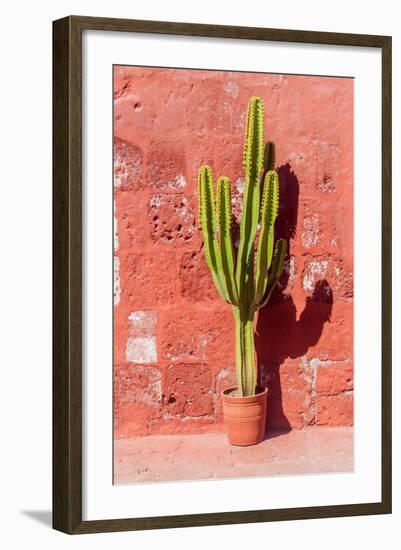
{"points": [[335, 410], [195, 278], [197, 335], [187, 390], [166, 165], [128, 165], [149, 279], [171, 219]]}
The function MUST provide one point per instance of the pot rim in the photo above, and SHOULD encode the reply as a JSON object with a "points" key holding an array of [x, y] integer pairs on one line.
{"points": [[225, 393]]}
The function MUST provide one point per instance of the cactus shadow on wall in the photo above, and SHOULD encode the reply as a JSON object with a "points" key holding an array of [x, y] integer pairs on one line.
{"points": [[280, 335]]}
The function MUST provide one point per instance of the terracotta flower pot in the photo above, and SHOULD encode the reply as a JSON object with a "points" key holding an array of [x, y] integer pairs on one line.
{"points": [[245, 417]]}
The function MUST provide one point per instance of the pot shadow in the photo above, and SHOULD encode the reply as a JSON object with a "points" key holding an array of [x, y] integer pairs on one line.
{"points": [[279, 334]]}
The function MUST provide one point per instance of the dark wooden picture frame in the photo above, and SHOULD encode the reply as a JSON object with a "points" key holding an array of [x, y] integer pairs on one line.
{"points": [[67, 274]]}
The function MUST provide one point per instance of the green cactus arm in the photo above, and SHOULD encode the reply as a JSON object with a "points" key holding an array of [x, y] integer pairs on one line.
{"points": [[207, 219], [276, 270], [223, 208], [269, 162], [269, 158], [253, 154], [268, 217], [253, 164]]}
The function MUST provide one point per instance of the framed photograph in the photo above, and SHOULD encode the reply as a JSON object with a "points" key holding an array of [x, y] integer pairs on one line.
{"points": [[222, 274]]}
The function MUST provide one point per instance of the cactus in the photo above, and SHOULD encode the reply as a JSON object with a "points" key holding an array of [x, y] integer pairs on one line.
{"points": [[244, 280]]}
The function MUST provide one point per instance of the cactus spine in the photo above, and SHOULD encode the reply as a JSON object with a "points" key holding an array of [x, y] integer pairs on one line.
{"points": [[242, 280]]}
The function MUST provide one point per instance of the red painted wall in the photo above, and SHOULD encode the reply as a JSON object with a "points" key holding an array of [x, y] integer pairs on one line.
{"points": [[174, 342]]}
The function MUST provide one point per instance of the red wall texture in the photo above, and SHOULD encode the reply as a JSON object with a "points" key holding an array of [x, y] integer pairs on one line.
{"points": [[174, 341]]}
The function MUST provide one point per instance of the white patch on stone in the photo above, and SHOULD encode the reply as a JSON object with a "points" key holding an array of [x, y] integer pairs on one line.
{"points": [[316, 270], [231, 88], [121, 170], [117, 288], [240, 184], [154, 388], [236, 200], [179, 182], [117, 180], [156, 201], [314, 362], [185, 213], [307, 282], [317, 362], [311, 233], [141, 350], [326, 184], [142, 323], [115, 229], [183, 210]]}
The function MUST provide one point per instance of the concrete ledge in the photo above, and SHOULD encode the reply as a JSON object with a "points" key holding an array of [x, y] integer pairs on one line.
{"points": [[209, 456]]}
